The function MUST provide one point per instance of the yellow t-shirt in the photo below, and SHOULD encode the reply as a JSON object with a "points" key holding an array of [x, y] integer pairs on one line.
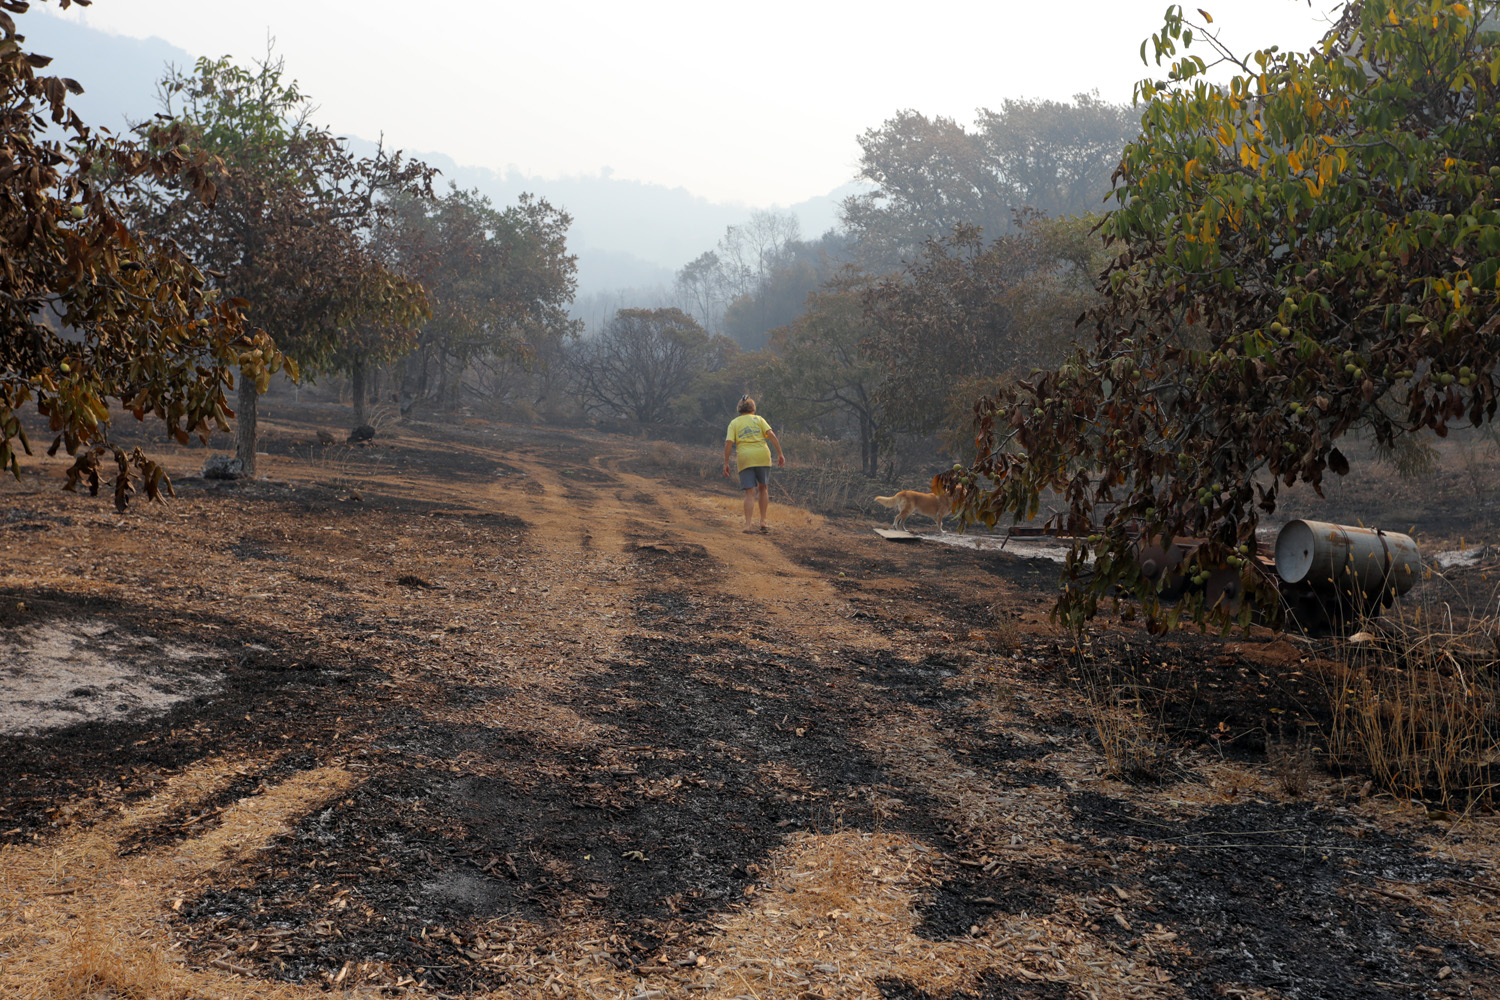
{"points": [[748, 432]]}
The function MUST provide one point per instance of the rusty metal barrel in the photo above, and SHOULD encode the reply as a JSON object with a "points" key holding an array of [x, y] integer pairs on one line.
{"points": [[1364, 564]]}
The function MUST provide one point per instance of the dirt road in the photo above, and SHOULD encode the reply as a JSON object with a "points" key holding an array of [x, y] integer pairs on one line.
{"points": [[507, 712]]}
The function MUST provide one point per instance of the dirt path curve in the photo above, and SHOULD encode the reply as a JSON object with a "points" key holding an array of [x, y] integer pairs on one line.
{"points": [[507, 713], [610, 511]]}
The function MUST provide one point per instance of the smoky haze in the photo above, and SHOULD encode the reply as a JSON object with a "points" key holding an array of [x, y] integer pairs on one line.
{"points": [[629, 235]]}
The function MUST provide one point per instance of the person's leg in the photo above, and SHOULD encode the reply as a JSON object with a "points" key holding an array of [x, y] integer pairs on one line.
{"points": [[750, 507], [765, 501]]}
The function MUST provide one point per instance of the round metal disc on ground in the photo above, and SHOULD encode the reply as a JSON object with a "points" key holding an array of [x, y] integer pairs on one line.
{"points": [[1163, 566]]}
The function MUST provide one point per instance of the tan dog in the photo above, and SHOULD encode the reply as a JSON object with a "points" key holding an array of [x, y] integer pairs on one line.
{"points": [[911, 502]]}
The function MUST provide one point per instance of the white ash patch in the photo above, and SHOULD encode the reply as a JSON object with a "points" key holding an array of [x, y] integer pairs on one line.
{"points": [[57, 674], [1463, 558], [1022, 547]]}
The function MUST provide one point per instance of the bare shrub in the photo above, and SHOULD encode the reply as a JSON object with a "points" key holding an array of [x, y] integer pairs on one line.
{"points": [[383, 417], [346, 467]]}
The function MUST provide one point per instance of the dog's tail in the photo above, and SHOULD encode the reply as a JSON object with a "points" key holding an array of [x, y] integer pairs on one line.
{"points": [[888, 501]]}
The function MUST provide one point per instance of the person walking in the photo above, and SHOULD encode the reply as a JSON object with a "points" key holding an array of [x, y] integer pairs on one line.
{"points": [[746, 440]]}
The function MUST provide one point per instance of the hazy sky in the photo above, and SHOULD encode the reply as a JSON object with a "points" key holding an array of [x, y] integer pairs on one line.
{"points": [[754, 103]]}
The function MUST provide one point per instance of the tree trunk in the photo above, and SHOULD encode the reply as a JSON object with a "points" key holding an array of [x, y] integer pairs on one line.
{"points": [[374, 396], [244, 425], [869, 449], [413, 380], [357, 390], [454, 386]]}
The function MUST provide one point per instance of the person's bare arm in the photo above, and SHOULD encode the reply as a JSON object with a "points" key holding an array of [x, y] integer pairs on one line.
{"points": [[728, 454], [771, 437]]}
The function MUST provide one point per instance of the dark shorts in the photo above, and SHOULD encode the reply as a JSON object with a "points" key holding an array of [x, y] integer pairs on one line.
{"points": [[756, 475]]}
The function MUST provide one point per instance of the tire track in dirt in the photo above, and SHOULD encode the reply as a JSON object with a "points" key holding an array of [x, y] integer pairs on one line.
{"points": [[634, 751], [754, 752], [756, 567]]}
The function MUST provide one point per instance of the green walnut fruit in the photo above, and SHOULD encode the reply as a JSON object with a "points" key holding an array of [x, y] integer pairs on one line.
{"points": [[65, 367], [76, 211]]}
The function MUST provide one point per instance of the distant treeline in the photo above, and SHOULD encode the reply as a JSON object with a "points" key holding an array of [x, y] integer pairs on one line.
{"points": [[966, 264], [230, 238]]}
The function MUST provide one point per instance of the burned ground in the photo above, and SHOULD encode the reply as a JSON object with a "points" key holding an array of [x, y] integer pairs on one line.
{"points": [[531, 723]]}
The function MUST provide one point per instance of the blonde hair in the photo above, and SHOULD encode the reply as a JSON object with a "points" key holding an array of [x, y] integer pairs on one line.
{"points": [[747, 405]]}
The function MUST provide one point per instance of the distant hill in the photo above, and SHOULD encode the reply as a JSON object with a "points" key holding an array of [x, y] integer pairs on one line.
{"points": [[627, 234], [118, 74], [630, 234]]}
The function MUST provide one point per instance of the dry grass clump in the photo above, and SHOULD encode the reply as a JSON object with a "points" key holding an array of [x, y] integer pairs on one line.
{"points": [[824, 488], [1130, 739], [97, 963], [813, 451], [664, 456], [1291, 767], [346, 467], [1419, 703]]}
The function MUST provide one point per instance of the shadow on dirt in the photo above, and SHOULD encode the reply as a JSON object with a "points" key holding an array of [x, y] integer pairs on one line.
{"points": [[1275, 897], [989, 987], [720, 740], [720, 749]]}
